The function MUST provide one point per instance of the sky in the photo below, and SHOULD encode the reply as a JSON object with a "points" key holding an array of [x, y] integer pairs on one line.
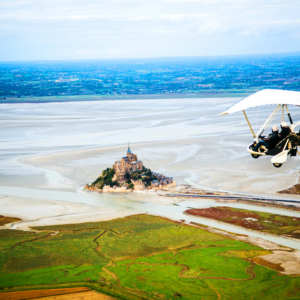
{"points": [[105, 29]]}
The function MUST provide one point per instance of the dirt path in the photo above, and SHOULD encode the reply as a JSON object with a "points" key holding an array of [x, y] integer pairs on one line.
{"points": [[32, 240], [111, 274], [97, 249], [218, 294], [66, 272]]}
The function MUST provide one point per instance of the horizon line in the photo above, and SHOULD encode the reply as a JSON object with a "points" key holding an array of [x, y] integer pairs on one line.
{"points": [[294, 53]]}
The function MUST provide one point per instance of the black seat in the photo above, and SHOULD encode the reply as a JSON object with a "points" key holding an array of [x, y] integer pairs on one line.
{"points": [[278, 148]]}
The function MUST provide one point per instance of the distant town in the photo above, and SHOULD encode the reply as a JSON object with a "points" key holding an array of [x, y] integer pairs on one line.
{"points": [[129, 174], [172, 76]]}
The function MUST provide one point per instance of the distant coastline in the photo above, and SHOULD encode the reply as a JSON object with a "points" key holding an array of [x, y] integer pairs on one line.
{"points": [[76, 98], [65, 81]]}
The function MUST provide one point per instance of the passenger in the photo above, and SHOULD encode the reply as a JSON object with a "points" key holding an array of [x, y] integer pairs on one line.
{"points": [[285, 130], [270, 142]]}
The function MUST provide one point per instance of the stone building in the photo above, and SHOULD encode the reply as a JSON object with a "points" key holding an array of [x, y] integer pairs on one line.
{"points": [[138, 185], [115, 189], [128, 164], [162, 182]]}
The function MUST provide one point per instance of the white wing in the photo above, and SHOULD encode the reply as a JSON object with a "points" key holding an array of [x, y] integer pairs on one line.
{"points": [[265, 97]]}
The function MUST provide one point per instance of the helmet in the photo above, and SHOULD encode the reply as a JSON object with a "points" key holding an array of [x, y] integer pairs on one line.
{"points": [[274, 128], [284, 124]]}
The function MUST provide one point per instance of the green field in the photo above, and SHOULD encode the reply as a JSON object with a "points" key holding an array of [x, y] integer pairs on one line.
{"points": [[256, 220], [139, 257]]}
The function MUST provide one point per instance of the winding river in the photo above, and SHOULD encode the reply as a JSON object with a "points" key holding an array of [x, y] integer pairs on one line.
{"points": [[175, 212]]}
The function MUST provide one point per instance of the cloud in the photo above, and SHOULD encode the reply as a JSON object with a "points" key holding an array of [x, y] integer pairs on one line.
{"points": [[209, 28], [209, 2], [88, 52], [139, 19], [245, 33], [65, 17], [270, 28], [163, 32], [115, 51], [142, 26], [173, 18]]}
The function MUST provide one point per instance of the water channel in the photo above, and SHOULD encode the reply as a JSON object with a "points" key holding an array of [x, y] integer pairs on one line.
{"points": [[175, 212]]}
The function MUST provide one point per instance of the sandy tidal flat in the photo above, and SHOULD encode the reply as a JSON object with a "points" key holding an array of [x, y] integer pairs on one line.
{"points": [[62, 146]]}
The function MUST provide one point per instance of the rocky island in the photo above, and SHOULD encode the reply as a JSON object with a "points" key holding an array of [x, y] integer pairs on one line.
{"points": [[129, 174]]}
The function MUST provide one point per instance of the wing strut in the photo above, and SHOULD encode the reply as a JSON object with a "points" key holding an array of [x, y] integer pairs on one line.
{"points": [[288, 113], [269, 120], [249, 124]]}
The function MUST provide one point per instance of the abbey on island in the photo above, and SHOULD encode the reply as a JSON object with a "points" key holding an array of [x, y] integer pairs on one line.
{"points": [[128, 164], [129, 174]]}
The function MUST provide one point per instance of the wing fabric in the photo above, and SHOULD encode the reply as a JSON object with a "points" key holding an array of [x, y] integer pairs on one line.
{"points": [[265, 97]]}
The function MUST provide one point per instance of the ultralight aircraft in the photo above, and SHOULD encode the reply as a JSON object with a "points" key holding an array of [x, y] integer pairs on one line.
{"points": [[280, 98]]}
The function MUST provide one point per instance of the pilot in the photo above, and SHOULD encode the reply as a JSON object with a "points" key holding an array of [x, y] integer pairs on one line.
{"points": [[285, 130], [270, 141]]}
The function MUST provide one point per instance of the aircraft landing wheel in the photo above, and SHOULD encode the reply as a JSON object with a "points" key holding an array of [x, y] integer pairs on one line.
{"points": [[254, 155], [277, 165]]}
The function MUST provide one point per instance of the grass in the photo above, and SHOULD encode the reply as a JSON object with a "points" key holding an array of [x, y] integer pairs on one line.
{"points": [[5, 220], [294, 190], [139, 257], [261, 221]]}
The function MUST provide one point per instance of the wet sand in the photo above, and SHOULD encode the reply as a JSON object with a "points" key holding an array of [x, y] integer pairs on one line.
{"points": [[41, 212], [59, 147], [62, 146]]}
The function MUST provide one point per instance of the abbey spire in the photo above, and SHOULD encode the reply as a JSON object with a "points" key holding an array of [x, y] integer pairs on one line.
{"points": [[128, 150]]}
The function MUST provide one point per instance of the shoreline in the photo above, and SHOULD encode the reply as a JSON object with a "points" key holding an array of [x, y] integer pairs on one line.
{"points": [[241, 227], [67, 219], [86, 98], [255, 202]]}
